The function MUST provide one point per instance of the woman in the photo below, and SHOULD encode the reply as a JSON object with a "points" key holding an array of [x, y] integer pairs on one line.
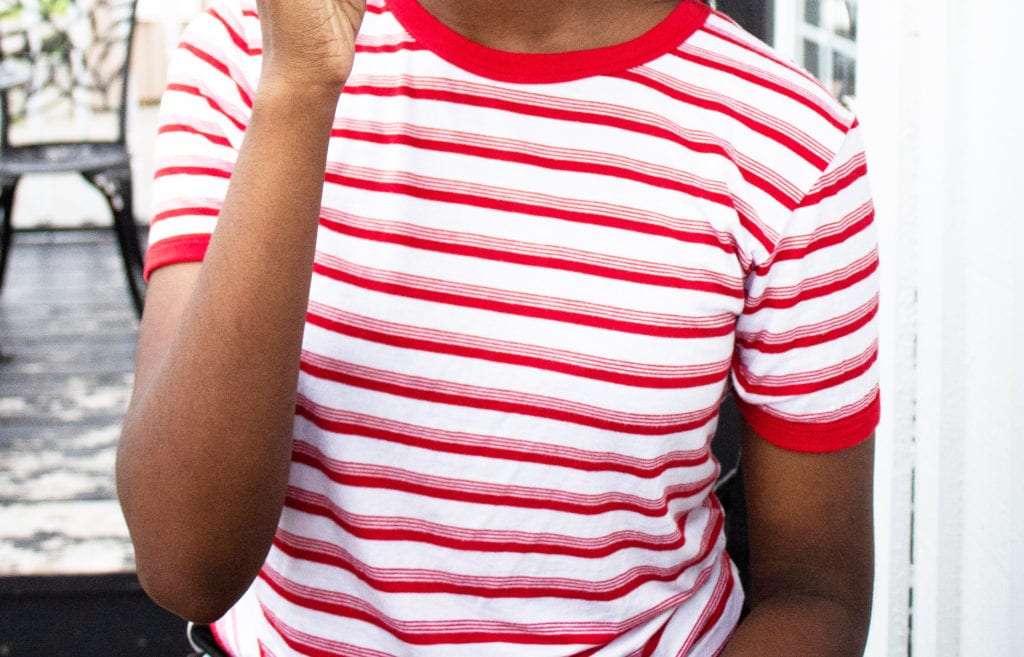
{"points": [[514, 254]]}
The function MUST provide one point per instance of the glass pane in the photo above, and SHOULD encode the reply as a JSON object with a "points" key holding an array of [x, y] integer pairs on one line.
{"points": [[811, 58], [842, 18], [812, 12], [844, 75]]}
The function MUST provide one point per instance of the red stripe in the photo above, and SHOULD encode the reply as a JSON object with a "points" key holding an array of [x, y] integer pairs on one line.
{"points": [[762, 80], [211, 60], [523, 157], [761, 51], [213, 103], [220, 66], [814, 437], [219, 140], [518, 408], [345, 607], [849, 277], [529, 209], [655, 640], [315, 646], [441, 488], [844, 372], [191, 171], [175, 250], [404, 46], [572, 116], [186, 211], [824, 241], [543, 262], [848, 176], [722, 107], [453, 538], [236, 38], [436, 582], [769, 344], [711, 615], [525, 397], [564, 458], [513, 308], [519, 360], [723, 596]]}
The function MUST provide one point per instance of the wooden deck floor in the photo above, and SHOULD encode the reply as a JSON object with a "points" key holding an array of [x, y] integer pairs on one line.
{"points": [[67, 339]]}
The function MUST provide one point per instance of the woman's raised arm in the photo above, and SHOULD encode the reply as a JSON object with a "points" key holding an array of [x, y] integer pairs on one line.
{"points": [[204, 455]]}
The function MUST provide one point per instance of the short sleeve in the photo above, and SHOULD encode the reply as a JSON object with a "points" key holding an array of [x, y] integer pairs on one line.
{"points": [[203, 114], [805, 369]]}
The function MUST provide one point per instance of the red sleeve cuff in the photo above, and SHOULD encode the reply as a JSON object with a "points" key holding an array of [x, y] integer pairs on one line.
{"points": [[818, 437], [175, 250]]}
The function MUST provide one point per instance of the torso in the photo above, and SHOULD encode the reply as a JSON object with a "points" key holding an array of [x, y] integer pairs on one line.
{"points": [[521, 323]]}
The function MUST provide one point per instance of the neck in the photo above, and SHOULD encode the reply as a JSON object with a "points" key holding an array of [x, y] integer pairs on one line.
{"points": [[546, 26]]}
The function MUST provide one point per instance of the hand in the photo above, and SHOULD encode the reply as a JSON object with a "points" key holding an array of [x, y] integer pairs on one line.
{"points": [[309, 43]]}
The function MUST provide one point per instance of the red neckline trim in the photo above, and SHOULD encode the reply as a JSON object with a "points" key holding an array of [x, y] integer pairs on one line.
{"points": [[548, 68]]}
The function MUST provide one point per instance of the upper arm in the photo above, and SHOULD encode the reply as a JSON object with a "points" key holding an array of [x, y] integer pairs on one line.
{"points": [[166, 298], [810, 522], [806, 381]]}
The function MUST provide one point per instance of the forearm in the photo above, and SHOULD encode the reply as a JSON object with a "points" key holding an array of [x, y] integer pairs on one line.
{"points": [[204, 457]]}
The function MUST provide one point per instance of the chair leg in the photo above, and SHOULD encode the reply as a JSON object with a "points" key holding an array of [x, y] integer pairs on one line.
{"points": [[7, 225], [117, 188]]}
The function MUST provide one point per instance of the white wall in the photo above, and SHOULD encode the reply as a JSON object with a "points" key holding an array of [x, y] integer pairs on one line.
{"points": [[993, 230], [885, 103], [938, 100]]}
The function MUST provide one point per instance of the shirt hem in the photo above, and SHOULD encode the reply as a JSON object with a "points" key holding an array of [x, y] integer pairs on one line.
{"points": [[175, 250], [816, 437]]}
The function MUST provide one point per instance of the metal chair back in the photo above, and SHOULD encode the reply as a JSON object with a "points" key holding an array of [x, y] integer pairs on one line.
{"points": [[76, 54], [65, 108]]}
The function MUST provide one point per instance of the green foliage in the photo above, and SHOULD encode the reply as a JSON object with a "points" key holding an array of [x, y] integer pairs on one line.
{"points": [[47, 8], [52, 7]]}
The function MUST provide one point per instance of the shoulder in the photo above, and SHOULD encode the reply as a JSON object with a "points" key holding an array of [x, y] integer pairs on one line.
{"points": [[776, 126], [748, 69], [217, 60], [765, 108]]}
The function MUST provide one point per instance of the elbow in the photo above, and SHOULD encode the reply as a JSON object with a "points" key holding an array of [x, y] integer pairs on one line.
{"points": [[193, 557], [839, 613], [169, 563], [195, 596]]}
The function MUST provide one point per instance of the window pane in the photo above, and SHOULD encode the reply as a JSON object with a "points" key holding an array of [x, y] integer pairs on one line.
{"points": [[844, 75], [812, 12], [811, 58], [842, 18]]}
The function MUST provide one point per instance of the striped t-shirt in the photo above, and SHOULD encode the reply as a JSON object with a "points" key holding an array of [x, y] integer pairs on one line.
{"points": [[536, 277]]}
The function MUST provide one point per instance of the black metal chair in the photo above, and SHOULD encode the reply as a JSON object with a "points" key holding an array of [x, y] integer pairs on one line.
{"points": [[71, 113]]}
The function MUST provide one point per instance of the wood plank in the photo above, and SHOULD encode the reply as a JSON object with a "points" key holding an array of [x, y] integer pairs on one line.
{"points": [[67, 336]]}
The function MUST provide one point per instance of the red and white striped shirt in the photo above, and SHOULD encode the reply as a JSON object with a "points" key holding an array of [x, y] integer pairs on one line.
{"points": [[536, 276]]}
